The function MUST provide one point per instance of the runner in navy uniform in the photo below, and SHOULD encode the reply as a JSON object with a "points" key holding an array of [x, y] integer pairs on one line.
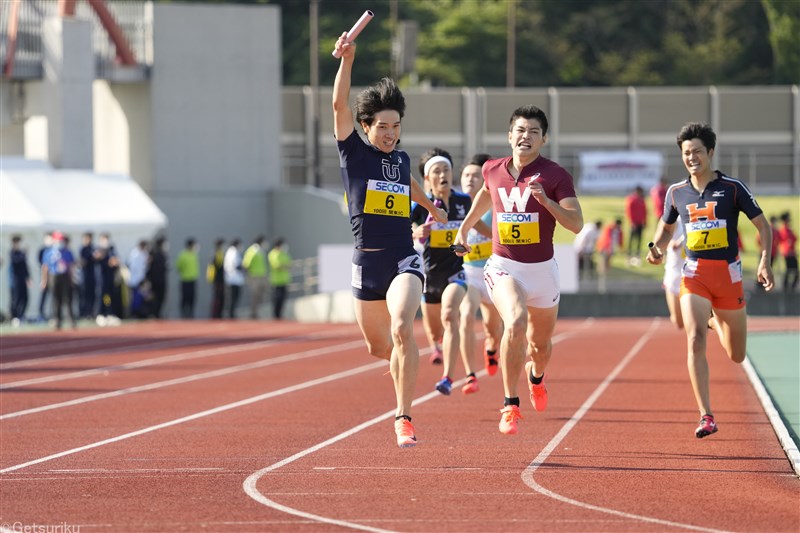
{"points": [[708, 203], [387, 273], [445, 279]]}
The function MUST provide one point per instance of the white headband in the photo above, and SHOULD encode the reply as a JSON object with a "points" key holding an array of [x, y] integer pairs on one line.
{"points": [[436, 159]]}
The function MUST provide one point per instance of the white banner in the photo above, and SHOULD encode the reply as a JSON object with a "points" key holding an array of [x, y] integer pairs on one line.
{"points": [[620, 172]]}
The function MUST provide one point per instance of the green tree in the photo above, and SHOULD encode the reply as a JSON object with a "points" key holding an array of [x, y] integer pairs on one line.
{"points": [[784, 36]]}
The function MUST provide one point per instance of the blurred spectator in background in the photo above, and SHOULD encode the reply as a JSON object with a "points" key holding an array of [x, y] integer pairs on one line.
{"points": [[636, 213], [658, 194], [20, 278], [142, 300], [188, 266], [789, 252], [47, 243], [776, 240], [215, 274], [157, 274], [138, 258], [584, 244], [609, 241], [107, 259], [280, 275], [88, 288], [57, 271], [255, 263], [234, 275]]}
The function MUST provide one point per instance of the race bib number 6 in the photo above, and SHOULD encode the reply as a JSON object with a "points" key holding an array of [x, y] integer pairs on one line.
{"points": [[518, 228], [388, 199], [706, 235]]}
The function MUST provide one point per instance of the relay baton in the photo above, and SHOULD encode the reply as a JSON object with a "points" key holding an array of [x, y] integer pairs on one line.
{"points": [[355, 30], [655, 249]]}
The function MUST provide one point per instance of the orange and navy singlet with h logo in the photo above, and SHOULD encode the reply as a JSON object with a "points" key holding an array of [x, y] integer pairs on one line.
{"points": [[710, 217]]}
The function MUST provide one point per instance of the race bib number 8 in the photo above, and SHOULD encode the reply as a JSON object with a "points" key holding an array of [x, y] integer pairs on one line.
{"points": [[388, 199], [706, 235], [518, 228], [442, 235]]}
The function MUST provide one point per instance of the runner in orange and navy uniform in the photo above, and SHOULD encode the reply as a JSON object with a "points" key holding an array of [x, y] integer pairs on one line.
{"points": [[708, 204], [529, 194]]}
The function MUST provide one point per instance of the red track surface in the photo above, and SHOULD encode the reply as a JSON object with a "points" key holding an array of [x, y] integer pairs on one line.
{"points": [[259, 426]]}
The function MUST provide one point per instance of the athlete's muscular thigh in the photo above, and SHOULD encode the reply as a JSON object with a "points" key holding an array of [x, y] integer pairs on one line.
{"points": [[374, 320]]}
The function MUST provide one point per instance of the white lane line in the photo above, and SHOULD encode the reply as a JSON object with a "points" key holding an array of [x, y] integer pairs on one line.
{"points": [[202, 414], [787, 443], [156, 345], [250, 484], [295, 356], [24, 363], [180, 356], [527, 474]]}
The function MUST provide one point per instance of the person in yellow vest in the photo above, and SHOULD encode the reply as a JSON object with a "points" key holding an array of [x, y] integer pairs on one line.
{"points": [[255, 264], [188, 267], [280, 275]]}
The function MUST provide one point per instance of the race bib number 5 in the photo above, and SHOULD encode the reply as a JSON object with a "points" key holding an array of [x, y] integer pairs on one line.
{"points": [[442, 235], [706, 235], [518, 228], [388, 199]]}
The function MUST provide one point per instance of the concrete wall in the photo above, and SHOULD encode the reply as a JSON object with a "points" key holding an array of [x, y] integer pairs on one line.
{"points": [[215, 122], [758, 128]]}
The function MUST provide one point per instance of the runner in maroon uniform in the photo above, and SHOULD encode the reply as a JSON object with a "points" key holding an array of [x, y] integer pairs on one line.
{"points": [[529, 194], [709, 203]]}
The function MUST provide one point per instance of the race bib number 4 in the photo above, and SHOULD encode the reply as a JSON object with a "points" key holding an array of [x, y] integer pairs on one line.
{"points": [[706, 235], [388, 199], [479, 251], [518, 228], [442, 235]]}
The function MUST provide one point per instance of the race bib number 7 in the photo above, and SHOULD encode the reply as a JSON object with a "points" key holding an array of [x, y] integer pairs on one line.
{"points": [[388, 199], [518, 228], [706, 235]]}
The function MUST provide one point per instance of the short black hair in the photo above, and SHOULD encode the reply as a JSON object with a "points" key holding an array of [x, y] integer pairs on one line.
{"points": [[698, 130], [529, 112], [190, 242], [379, 97], [478, 159]]}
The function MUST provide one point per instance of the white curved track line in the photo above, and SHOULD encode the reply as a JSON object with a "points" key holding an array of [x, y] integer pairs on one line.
{"points": [[250, 484], [527, 474]]}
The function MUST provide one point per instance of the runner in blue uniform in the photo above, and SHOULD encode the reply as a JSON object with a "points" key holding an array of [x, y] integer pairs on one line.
{"points": [[387, 273], [477, 292], [445, 280], [708, 203]]}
